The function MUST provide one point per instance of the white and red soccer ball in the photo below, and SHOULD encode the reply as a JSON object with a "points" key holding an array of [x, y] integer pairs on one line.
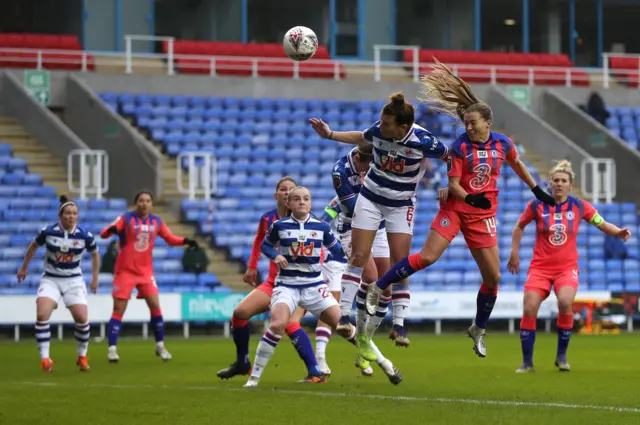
{"points": [[300, 43]]}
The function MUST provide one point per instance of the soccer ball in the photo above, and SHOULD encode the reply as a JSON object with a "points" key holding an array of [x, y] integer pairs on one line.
{"points": [[300, 43]]}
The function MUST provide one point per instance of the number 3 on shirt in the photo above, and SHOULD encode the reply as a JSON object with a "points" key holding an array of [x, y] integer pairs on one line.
{"points": [[482, 176]]}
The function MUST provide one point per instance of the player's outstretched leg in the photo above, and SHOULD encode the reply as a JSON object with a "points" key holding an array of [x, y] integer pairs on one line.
{"points": [[527, 340], [485, 302], [350, 282], [302, 344], [242, 366], [398, 272], [113, 331], [266, 348], [157, 323], [401, 297], [394, 375], [323, 334], [365, 348], [43, 339], [381, 312], [82, 335], [565, 327]]}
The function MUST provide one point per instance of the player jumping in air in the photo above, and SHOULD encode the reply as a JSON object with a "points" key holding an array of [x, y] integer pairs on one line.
{"points": [[474, 166], [65, 243], [137, 231], [400, 152], [555, 260], [300, 239], [332, 272], [257, 302]]}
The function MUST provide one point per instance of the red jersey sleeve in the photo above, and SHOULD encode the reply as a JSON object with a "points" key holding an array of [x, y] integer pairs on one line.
{"points": [[257, 243], [528, 215], [512, 152], [588, 211], [454, 165], [169, 237], [119, 224]]}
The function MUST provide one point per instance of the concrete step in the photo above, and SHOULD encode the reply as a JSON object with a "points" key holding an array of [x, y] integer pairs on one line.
{"points": [[111, 64], [393, 74], [39, 159]]}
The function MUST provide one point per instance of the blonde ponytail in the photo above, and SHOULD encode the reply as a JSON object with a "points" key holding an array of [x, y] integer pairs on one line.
{"points": [[563, 166], [449, 94]]}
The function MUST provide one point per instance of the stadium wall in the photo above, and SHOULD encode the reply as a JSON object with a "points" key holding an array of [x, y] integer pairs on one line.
{"points": [[308, 88], [104, 129], [532, 131], [39, 121], [594, 138]]}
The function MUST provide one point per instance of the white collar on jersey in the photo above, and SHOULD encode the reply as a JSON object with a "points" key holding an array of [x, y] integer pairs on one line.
{"points": [[307, 218], [350, 160], [406, 137], [65, 231]]}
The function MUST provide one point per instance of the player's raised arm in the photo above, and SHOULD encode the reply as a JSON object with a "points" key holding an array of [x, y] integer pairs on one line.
{"points": [[113, 229], [165, 233], [592, 216], [324, 131], [432, 148], [523, 172]]}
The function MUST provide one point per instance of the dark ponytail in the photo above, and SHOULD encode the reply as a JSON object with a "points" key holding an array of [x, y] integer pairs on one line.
{"points": [[65, 201], [398, 107]]}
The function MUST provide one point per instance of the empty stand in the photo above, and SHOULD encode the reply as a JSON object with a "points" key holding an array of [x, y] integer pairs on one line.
{"points": [[257, 141], [504, 68], [624, 122], [250, 59], [625, 69], [27, 205], [48, 51]]}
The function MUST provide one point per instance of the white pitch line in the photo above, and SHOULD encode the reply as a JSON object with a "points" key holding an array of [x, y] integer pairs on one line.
{"points": [[510, 403]]}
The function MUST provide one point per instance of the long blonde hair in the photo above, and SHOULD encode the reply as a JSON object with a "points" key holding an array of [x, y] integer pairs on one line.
{"points": [[449, 94], [563, 166]]}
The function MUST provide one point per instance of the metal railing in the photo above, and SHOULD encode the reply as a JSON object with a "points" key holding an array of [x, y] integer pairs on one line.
{"points": [[201, 174], [376, 70], [599, 179], [93, 173]]}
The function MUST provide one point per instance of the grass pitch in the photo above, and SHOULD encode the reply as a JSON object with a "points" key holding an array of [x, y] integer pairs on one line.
{"points": [[444, 383]]}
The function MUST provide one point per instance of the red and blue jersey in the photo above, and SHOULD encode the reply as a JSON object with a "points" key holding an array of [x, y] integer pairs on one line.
{"points": [[137, 238], [557, 227], [264, 224], [478, 166]]}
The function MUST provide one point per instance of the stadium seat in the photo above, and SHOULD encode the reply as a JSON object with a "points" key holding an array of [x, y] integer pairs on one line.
{"points": [[257, 140]]}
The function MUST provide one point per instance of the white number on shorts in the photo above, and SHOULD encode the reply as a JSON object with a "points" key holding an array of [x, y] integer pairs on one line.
{"points": [[482, 178], [324, 291], [491, 225], [410, 211]]}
